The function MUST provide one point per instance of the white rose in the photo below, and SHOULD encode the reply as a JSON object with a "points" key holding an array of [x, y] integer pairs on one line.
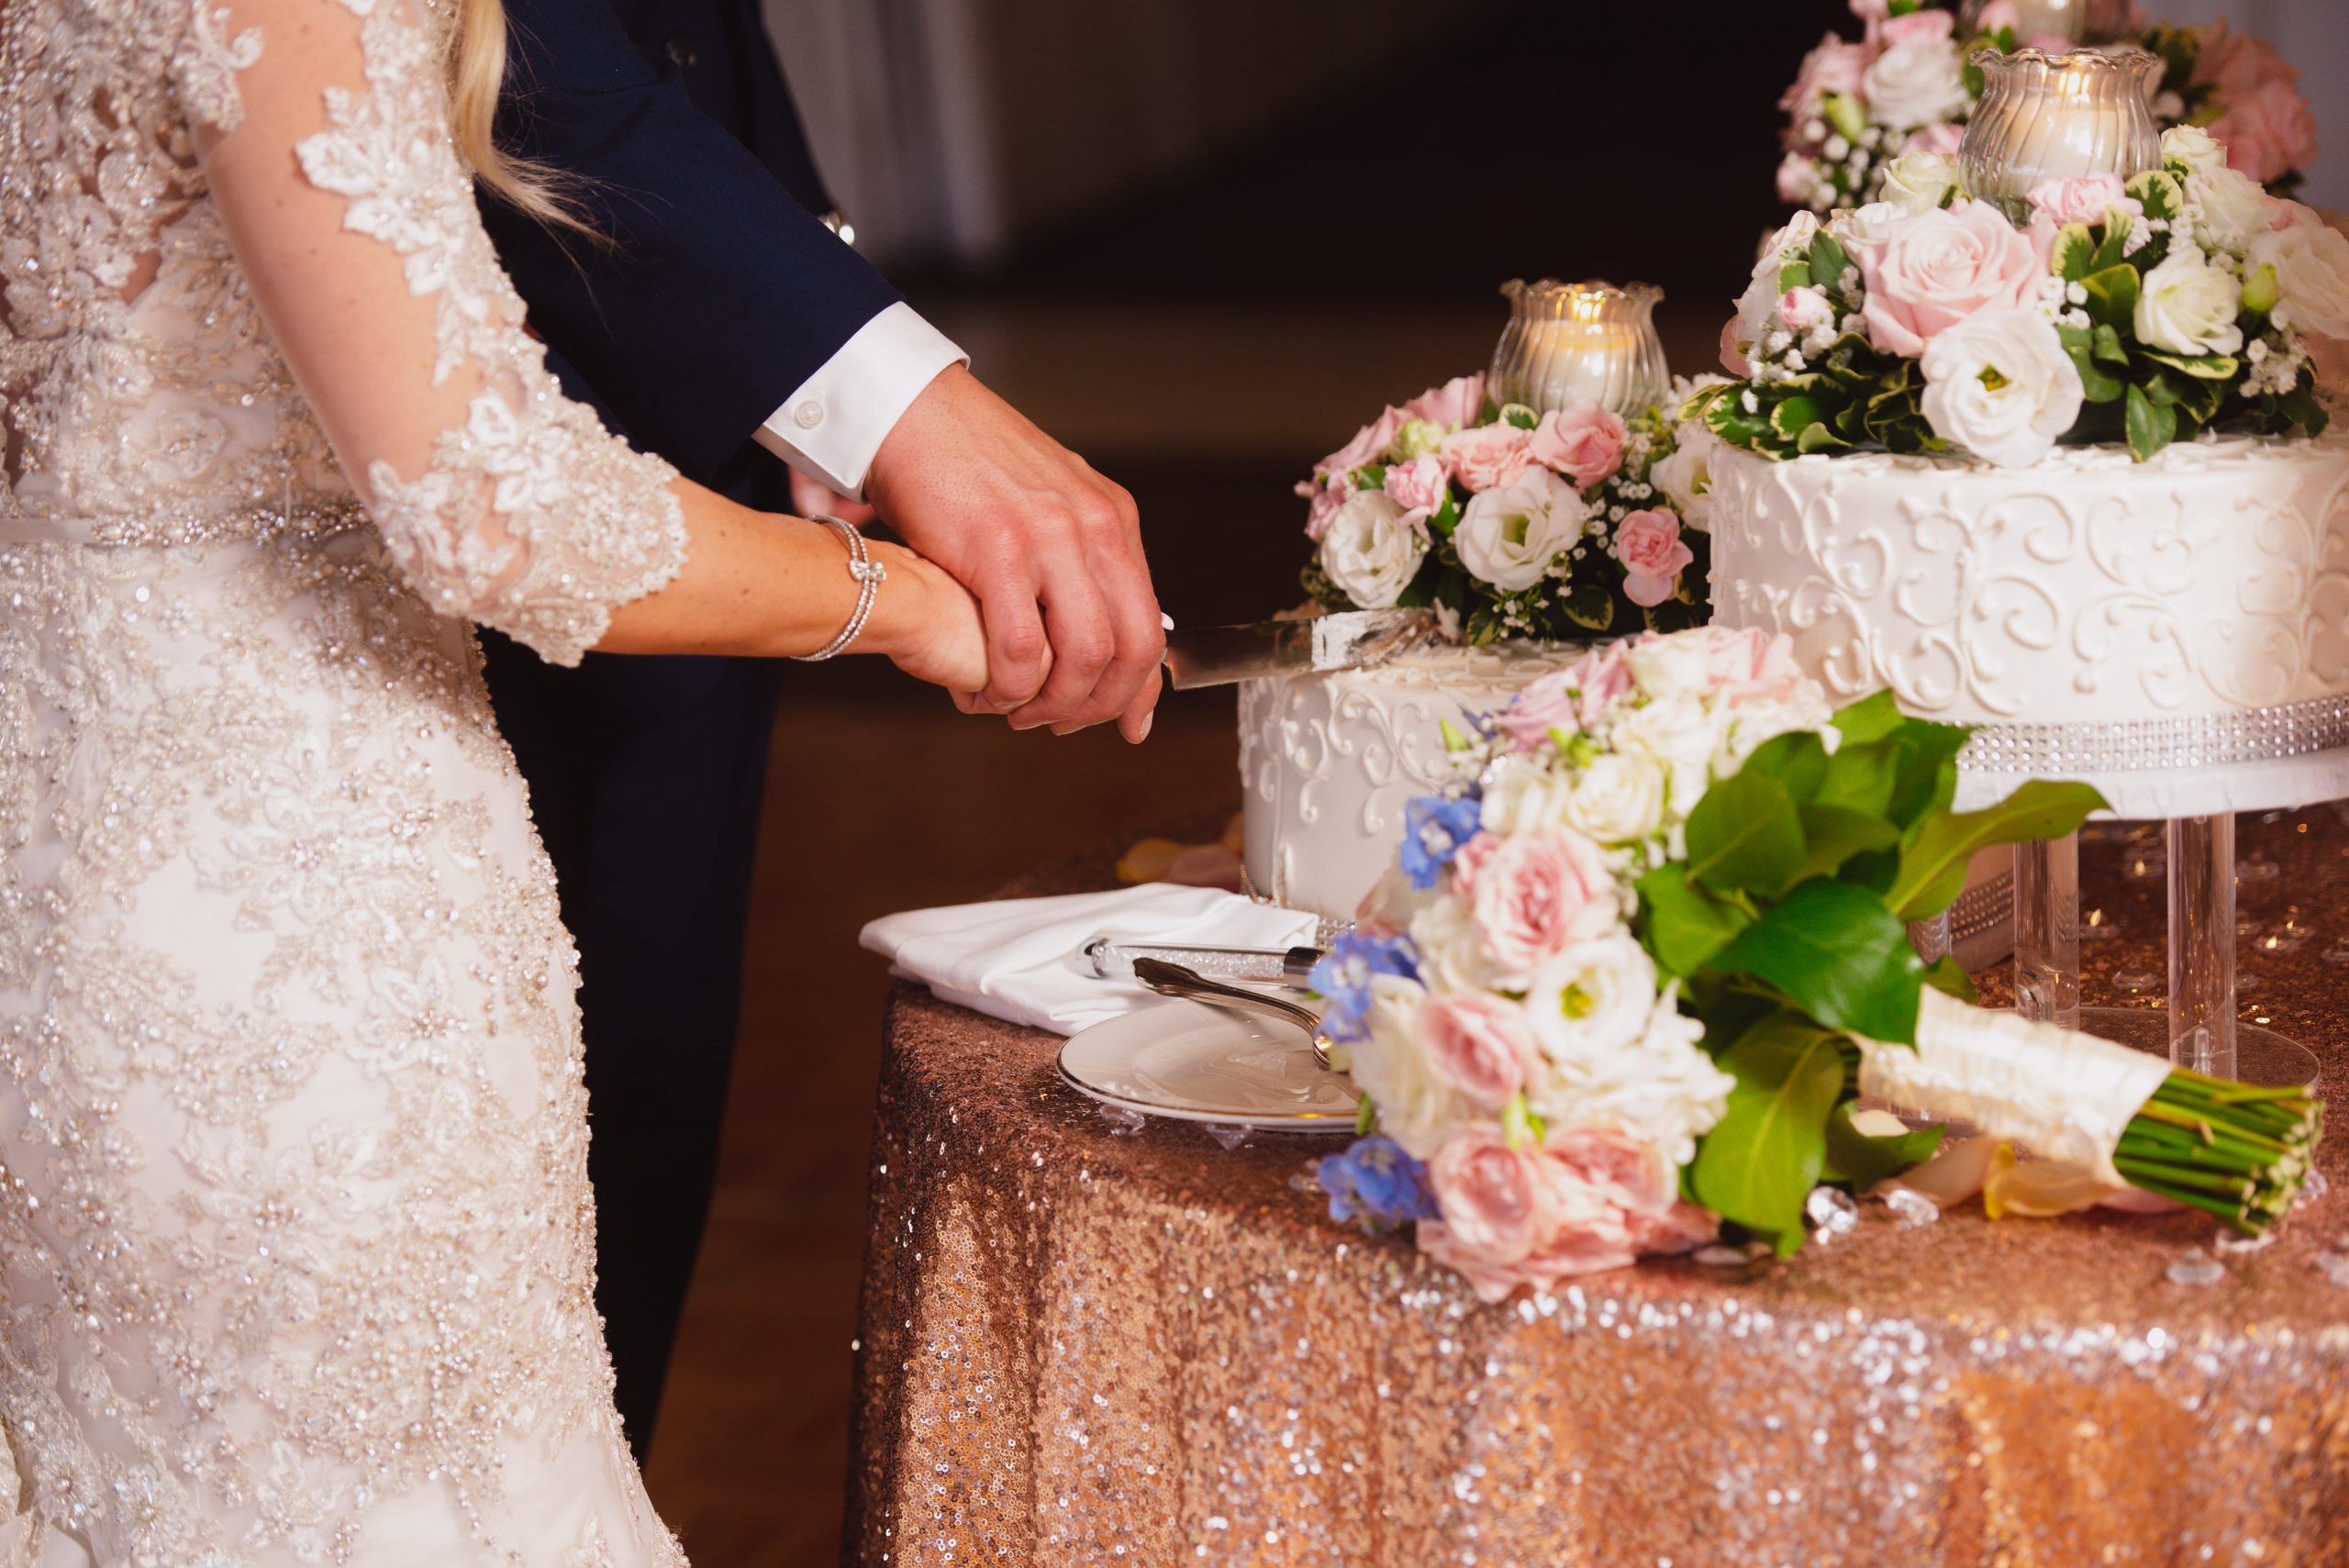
{"points": [[1918, 82], [2312, 262], [1757, 307], [1680, 737], [1871, 224], [1619, 800], [2000, 385], [2189, 306], [1670, 666], [1415, 1108], [1662, 1087], [1451, 959], [1371, 552], [1752, 723], [1523, 797], [2230, 207], [1593, 998], [1917, 182], [2194, 147], [1510, 536], [1686, 476]]}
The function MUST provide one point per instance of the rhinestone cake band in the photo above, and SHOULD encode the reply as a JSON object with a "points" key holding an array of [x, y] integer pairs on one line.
{"points": [[2247, 735]]}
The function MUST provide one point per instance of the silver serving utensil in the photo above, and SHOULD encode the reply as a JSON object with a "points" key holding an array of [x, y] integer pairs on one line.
{"points": [[1350, 640], [1173, 980], [1114, 959]]}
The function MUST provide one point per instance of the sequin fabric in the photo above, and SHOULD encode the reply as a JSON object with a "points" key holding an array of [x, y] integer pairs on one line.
{"points": [[296, 1233], [1087, 1344]]}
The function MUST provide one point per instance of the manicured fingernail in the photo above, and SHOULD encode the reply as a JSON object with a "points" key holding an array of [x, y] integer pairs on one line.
{"points": [[1146, 720]]}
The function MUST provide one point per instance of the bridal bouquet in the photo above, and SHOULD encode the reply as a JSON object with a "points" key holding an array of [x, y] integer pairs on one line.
{"points": [[1906, 86], [2186, 298], [1630, 974], [1513, 524]]}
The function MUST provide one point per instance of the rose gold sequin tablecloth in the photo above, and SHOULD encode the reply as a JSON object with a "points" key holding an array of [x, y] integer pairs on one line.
{"points": [[1084, 1345]]}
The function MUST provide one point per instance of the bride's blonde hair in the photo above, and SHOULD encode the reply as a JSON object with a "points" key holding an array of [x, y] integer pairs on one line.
{"points": [[476, 68]]}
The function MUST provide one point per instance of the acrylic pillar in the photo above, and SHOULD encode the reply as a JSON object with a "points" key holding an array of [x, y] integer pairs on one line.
{"points": [[2047, 929], [2202, 944]]}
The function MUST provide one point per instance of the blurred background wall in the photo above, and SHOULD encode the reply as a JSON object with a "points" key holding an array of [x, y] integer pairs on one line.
{"points": [[1201, 241]]}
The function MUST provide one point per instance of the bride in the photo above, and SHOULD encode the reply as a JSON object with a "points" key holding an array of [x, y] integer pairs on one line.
{"points": [[294, 1224]]}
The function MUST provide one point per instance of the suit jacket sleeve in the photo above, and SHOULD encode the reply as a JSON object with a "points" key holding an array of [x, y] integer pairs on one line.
{"points": [[718, 295]]}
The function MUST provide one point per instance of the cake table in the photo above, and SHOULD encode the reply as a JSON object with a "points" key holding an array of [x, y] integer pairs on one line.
{"points": [[1088, 1343]]}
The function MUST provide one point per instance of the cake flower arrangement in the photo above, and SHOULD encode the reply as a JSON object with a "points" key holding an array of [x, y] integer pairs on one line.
{"points": [[1509, 523], [1630, 972], [1907, 85], [2147, 310]]}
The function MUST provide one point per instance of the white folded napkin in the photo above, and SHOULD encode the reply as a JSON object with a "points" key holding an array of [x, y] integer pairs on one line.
{"points": [[1022, 959]]}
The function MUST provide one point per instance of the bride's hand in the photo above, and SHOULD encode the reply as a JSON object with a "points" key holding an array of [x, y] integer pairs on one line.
{"points": [[936, 636]]}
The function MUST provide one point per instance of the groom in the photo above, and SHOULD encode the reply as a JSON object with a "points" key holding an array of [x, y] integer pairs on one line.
{"points": [[723, 326]]}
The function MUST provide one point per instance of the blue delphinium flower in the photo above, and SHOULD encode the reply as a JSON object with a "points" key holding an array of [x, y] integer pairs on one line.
{"points": [[1343, 976], [1375, 1184], [1434, 828]]}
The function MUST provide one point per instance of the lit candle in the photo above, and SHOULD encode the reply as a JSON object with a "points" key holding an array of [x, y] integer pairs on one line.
{"points": [[2048, 117], [1580, 342]]}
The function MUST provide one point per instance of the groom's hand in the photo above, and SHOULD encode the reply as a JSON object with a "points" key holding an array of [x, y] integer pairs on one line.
{"points": [[1051, 550]]}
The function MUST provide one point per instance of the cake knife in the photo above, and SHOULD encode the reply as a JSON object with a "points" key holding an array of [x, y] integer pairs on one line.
{"points": [[1352, 639], [1114, 959]]}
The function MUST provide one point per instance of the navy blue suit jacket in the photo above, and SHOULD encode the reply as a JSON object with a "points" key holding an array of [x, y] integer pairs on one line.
{"points": [[721, 293]]}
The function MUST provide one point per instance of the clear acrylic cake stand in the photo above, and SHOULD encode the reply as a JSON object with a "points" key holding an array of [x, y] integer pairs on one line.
{"points": [[2198, 1029]]}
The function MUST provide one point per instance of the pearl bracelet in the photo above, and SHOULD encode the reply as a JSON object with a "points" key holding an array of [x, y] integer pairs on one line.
{"points": [[869, 574]]}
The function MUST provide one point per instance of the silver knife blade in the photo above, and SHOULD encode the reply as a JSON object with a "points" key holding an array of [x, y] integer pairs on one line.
{"points": [[1352, 639]]}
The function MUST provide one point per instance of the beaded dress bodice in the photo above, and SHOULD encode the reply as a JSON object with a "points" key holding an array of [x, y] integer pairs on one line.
{"points": [[296, 1232]]}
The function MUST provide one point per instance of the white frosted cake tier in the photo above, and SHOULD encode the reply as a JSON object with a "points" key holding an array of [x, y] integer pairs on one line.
{"points": [[1327, 763], [2175, 632]]}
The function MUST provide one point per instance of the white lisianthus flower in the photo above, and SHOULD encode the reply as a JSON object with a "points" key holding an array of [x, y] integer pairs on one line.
{"points": [[1452, 957], [1592, 999], [1619, 800], [2194, 147], [1415, 1108], [1686, 476], [2189, 306], [1918, 182], [1874, 224], [1662, 1087], [1752, 723], [2000, 385], [2311, 262], [1669, 666], [1373, 550], [1522, 795], [2230, 207], [1757, 307], [1680, 736], [1511, 535], [1917, 82]]}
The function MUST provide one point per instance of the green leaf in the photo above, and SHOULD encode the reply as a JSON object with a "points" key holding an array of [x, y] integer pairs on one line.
{"points": [[2112, 295], [1861, 774], [2074, 246], [1948, 977], [1872, 717], [1924, 768], [1817, 437], [1833, 834], [2159, 192], [1828, 259], [1744, 835], [1682, 925], [1589, 605], [1797, 759], [2151, 426], [1758, 1164], [1860, 1161], [1794, 275], [1844, 112], [1932, 868], [2107, 348], [2203, 367], [1839, 953], [1446, 516], [1794, 416]]}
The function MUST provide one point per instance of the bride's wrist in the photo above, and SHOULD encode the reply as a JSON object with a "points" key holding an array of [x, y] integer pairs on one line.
{"points": [[901, 609]]}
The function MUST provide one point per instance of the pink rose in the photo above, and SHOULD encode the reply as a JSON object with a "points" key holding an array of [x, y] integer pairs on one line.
{"points": [[1419, 486], [2238, 63], [1919, 27], [1603, 678], [1871, 14], [1805, 308], [1588, 1200], [1937, 268], [1998, 16], [1454, 403], [1940, 138], [1648, 544], [1479, 1043], [2268, 131], [1833, 66], [2083, 198], [1751, 665], [1569, 699], [1489, 456], [1533, 895], [1582, 440], [1327, 501], [1370, 443]]}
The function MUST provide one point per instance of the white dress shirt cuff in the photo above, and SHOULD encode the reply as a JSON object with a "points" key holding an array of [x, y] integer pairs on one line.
{"points": [[831, 427]]}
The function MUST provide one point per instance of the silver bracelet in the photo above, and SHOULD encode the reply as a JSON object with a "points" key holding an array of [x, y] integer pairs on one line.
{"points": [[869, 574]]}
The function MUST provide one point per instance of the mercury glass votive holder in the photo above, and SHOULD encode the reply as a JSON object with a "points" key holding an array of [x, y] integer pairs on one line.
{"points": [[2048, 117], [1571, 342]]}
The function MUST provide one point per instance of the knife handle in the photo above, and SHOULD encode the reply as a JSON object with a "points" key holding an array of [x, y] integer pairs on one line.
{"points": [[1113, 960]]}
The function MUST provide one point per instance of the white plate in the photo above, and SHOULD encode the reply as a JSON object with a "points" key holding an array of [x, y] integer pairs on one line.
{"points": [[1194, 1063]]}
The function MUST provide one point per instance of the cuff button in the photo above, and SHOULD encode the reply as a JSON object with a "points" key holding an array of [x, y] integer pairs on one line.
{"points": [[808, 414]]}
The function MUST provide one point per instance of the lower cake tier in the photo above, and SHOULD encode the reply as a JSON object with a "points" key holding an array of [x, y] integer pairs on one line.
{"points": [[1328, 762], [2173, 631]]}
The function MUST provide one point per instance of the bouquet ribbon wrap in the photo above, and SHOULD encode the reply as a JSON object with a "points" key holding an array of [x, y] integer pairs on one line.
{"points": [[2064, 1095]]}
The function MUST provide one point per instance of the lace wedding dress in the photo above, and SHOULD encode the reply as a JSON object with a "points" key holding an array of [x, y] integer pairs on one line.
{"points": [[296, 1234]]}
